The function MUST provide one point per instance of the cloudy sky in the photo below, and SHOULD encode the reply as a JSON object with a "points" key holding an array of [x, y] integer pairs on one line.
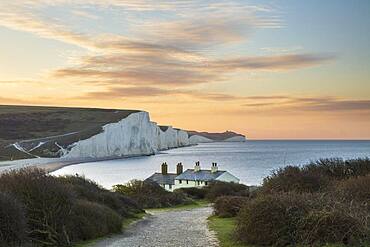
{"points": [[268, 69]]}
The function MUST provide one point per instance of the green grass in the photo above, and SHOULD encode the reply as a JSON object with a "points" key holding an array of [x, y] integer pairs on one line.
{"points": [[224, 227], [196, 204]]}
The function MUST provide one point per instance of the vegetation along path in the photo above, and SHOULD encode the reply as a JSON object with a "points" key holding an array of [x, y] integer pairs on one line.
{"points": [[181, 227]]}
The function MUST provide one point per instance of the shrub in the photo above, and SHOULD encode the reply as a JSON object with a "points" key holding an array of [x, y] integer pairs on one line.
{"points": [[61, 210], [336, 209], [90, 191], [271, 219], [218, 189], [92, 220], [331, 225], [315, 177], [338, 169], [193, 192], [301, 219], [47, 203], [292, 178], [150, 195], [229, 206], [354, 189], [12, 221]]}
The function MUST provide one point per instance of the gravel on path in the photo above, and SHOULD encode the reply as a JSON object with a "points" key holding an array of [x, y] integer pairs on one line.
{"points": [[180, 228]]}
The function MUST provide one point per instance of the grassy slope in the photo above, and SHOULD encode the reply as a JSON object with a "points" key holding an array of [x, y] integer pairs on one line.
{"points": [[22, 123]]}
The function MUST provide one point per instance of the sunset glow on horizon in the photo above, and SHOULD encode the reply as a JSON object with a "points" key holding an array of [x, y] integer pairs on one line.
{"points": [[267, 69]]}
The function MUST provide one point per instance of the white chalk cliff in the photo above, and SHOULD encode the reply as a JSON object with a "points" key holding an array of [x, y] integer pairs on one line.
{"points": [[134, 135]]}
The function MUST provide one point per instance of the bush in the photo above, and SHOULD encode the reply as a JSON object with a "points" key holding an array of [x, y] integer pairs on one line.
{"points": [[229, 206], [315, 177], [354, 189], [193, 192], [271, 220], [218, 189], [301, 219], [92, 220], [338, 169], [90, 191], [326, 201], [150, 195], [58, 211], [12, 222], [47, 203], [295, 179], [332, 225]]}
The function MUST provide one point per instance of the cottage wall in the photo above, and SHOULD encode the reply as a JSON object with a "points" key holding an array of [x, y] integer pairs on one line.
{"points": [[188, 184]]}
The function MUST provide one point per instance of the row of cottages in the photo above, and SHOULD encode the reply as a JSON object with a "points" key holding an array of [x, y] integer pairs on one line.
{"points": [[196, 177]]}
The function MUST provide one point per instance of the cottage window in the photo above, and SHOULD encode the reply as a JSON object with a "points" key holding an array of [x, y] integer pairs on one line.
{"points": [[180, 181], [187, 181], [205, 183], [170, 186]]}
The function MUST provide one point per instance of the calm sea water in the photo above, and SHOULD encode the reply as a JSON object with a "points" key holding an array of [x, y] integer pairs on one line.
{"points": [[251, 161]]}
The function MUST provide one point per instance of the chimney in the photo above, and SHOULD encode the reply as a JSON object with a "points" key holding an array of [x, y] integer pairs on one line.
{"points": [[164, 168], [197, 166], [179, 168], [214, 167]]}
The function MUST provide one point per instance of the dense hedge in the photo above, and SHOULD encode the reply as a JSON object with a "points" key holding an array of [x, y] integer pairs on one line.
{"points": [[324, 202], [58, 211], [150, 195]]}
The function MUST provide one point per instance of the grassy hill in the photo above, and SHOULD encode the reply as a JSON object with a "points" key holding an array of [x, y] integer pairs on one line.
{"points": [[40, 130]]}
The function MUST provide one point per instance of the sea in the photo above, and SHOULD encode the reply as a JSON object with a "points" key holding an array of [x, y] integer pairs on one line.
{"points": [[251, 161]]}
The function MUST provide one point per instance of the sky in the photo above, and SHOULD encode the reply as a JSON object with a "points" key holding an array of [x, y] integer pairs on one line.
{"points": [[267, 69]]}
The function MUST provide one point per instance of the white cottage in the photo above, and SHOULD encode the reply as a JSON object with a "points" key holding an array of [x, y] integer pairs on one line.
{"points": [[191, 177]]}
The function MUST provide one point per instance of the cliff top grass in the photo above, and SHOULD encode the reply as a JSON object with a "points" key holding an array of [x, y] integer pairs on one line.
{"points": [[31, 125]]}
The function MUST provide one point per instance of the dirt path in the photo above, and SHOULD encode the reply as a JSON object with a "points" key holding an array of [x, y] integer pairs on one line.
{"points": [[185, 228]]}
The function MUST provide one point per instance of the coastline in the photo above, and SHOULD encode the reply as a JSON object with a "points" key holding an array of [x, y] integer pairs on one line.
{"points": [[54, 164]]}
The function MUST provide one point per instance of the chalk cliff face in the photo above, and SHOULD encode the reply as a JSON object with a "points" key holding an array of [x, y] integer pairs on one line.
{"points": [[134, 135]]}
